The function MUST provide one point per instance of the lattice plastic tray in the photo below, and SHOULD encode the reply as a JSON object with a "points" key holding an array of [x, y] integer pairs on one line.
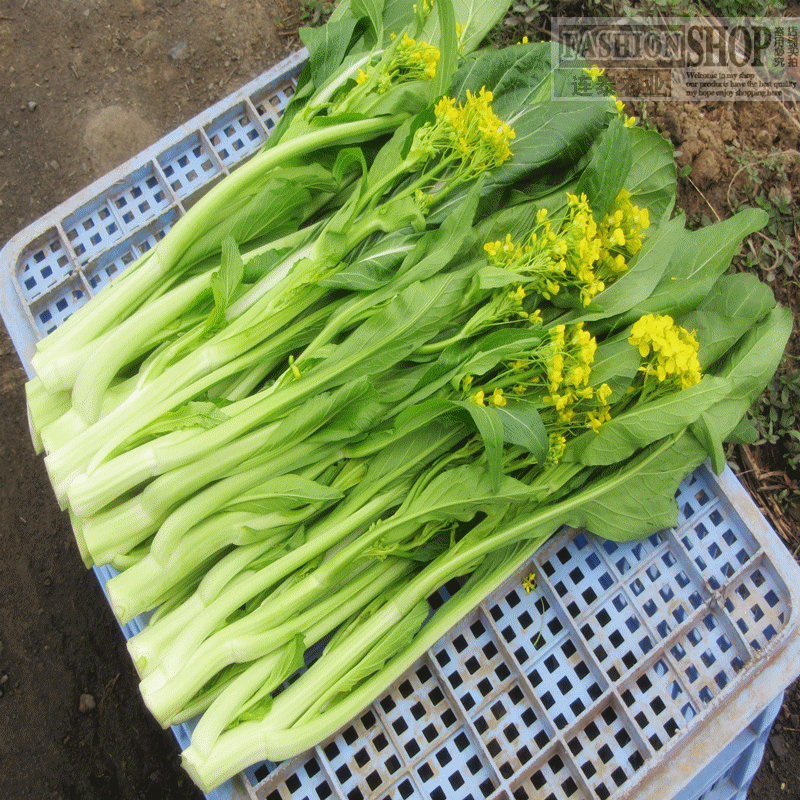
{"points": [[645, 670], [624, 674]]}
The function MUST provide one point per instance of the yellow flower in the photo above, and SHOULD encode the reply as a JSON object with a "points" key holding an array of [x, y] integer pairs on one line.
{"points": [[594, 72], [474, 130], [497, 398], [670, 350], [361, 77], [593, 422], [529, 583], [477, 398], [629, 122]]}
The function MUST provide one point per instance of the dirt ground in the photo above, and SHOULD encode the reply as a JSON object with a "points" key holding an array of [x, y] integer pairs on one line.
{"points": [[84, 84]]}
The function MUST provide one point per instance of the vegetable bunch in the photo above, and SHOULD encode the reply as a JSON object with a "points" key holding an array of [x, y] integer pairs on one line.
{"points": [[438, 316]]}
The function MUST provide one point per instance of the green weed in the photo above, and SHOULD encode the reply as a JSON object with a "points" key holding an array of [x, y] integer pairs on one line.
{"points": [[777, 416]]}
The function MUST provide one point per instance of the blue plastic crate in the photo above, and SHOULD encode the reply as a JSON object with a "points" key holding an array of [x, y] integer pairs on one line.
{"points": [[651, 669]]}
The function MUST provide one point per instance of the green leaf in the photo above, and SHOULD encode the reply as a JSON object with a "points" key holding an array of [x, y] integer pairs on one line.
{"points": [[354, 402], [638, 499], [708, 251], [447, 244], [699, 259], [606, 172], [523, 426], [377, 266], [396, 639], [406, 98], [460, 493], [478, 18], [703, 430], [373, 10], [345, 159], [549, 136], [224, 284], [490, 428], [327, 46], [496, 346], [276, 208], [425, 116], [422, 414], [395, 331], [389, 156], [260, 703], [399, 212], [641, 425], [734, 304], [651, 179], [448, 48], [517, 76], [353, 419], [203, 414], [747, 369], [285, 492], [263, 263], [420, 437]]}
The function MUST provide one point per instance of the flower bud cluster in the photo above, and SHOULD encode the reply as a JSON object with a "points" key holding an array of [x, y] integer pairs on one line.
{"points": [[669, 352], [471, 131], [575, 252], [410, 61], [569, 368], [554, 377], [463, 141]]}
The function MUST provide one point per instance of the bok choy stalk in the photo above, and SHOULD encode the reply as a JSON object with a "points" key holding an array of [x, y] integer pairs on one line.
{"points": [[605, 490], [563, 365], [269, 194], [213, 498], [432, 164], [425, 507], [390, 472]]}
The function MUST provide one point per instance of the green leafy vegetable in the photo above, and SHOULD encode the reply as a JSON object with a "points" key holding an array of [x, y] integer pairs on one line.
{"points": [[444, 311]]}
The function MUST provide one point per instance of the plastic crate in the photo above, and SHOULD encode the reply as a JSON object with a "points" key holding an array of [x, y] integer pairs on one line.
{"points": [[651, 669]]}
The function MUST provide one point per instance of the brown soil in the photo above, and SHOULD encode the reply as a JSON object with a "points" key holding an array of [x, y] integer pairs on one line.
{"points": [[86, 85]]}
